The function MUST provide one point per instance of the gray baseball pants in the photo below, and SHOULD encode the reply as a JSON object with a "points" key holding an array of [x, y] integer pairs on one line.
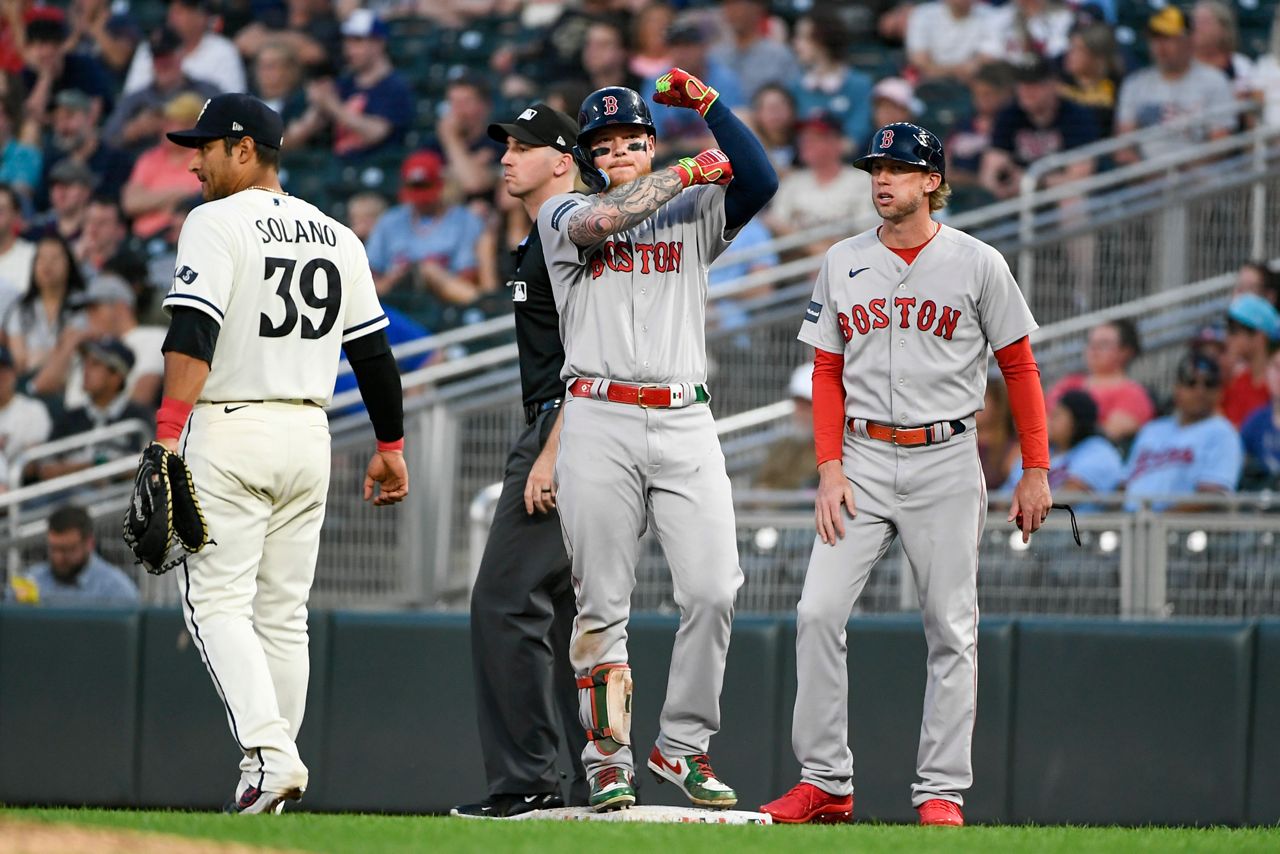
{"points": [[934, 498], [620, 470]]}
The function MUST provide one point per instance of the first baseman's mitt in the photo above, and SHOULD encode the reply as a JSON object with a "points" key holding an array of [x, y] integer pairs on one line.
{"points": [[164, 522]]}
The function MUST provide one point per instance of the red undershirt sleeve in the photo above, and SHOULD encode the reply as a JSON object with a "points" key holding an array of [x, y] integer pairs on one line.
{"points": [[1026, 400], [828, 405]]}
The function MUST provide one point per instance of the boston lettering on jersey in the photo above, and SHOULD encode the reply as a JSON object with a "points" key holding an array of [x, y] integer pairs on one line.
{"points": [[877, 314], [623, 257], [295, 231]]}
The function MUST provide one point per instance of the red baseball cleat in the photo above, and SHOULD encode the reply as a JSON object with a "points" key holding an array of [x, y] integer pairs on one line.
{"points": [[806, 803], [941, 813]]}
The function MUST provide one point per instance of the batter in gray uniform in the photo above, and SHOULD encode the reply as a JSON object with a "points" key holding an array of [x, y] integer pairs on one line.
{"points": [[901, 319], [638, 446]]}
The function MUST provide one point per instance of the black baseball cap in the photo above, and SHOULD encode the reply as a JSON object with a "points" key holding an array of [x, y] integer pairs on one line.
{"points": [[1036, 70], [112, 352], [538, 125], [233, 114], [1199, 365]]}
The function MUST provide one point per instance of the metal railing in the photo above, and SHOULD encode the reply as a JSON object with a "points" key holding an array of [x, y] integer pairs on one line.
{"points": [[1132, 563]]}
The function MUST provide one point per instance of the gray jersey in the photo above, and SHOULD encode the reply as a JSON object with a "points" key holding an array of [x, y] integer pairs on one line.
{"points": [[633, 307], [914, 338]]}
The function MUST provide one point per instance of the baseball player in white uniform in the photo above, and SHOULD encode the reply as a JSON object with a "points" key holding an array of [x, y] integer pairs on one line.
{"points": [[901, 319], [638, 446], [266, 291]]}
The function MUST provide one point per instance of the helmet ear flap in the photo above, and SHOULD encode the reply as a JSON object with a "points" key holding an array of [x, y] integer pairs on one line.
{"points": [[597, 180]]}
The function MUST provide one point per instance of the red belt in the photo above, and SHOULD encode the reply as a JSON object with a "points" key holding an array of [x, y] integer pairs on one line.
{"points": [[909, 436], [647, 396]]}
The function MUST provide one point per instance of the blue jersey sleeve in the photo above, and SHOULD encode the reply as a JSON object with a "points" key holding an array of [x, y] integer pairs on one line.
{"points": [[1096, 464], [1219, 458]]}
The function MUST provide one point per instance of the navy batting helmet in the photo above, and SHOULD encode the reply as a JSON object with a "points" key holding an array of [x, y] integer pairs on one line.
{"points": [[905, 143], [613, 105]]}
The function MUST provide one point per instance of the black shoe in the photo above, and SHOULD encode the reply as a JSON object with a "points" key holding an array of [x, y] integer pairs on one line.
{"points": [[509, 806]]}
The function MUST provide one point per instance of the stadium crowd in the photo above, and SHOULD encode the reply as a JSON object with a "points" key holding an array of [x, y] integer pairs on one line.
{"points": [[386, 105]]}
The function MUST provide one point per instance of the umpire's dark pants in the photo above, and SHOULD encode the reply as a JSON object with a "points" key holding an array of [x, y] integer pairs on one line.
{"points": [[522, 611]]}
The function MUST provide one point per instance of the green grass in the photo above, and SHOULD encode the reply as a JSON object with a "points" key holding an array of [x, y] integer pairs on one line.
{"points": [[375, 834]]}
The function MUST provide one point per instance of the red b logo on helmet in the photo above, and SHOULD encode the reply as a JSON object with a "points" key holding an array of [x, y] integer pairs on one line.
{"points": [[886, 139], [610, 105]]}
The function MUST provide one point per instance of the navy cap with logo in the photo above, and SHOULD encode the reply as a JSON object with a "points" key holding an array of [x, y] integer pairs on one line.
{"points": [[538, 125], [233, 115]]}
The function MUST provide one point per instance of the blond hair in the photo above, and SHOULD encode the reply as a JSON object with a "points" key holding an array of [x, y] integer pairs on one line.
{"points": [[939, 198]]}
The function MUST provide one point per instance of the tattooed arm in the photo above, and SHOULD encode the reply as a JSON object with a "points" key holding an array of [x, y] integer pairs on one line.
{"points": [[622, 207]]}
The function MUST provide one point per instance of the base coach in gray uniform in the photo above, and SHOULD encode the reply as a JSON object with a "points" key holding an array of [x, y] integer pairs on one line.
{"points": [[522, 606]]}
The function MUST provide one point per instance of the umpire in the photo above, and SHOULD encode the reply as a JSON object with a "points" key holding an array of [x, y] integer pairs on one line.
{"points": [[522, 607]]}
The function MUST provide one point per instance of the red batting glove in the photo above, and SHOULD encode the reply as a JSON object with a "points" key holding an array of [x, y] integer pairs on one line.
{"points": [[679, 88], [710, 167]]}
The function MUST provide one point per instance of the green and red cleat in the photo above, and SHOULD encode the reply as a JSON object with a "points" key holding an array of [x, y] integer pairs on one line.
{"points": [[694, 776], [612, 788]]}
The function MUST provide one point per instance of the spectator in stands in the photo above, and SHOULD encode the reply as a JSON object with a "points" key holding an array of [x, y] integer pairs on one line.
{"points": [[424, 243], [683, 132], [1191, 451], [24, 421], [825, 191], [109, 306], [990, 92], [370, 106], [75, 136], [98, 32], [828, 83], [773, 118], [1174, 86], [74, 573], [71, 186], [1214, 39], [949, 39], [204, 54], [1023, 30], [469, 153], [1261, 435], [103, 241], [605, 58], [1081, 460], [894, 99], [1123, 404], [277, 80], [997, 436], [21, 163], [790, 463], [1037, 124], [106, 366], [35, 322], [1256, 277], [49, 68], [306, 29], [750, 56], [364, 209], [1266, 76], [162, 255], [162, 177], [1092, 69], [16, 253], [729, 312], [650, 53], [1253, 331], [138, 118]]}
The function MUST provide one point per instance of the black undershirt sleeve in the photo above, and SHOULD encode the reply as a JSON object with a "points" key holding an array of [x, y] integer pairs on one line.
{"points": [[379, 381], [192, 333]]}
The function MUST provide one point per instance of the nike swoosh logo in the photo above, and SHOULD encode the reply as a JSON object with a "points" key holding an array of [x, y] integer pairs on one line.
{"points": [[230, 409], [528, 799], [853, 273], [675, 768]]}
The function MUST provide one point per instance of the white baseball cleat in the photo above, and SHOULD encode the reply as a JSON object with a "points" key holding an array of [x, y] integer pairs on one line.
{"points": [[693, 774]]}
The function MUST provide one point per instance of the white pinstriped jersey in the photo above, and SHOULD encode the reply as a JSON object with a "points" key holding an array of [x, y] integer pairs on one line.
{"points": [[287, 284], [914, 338]]}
